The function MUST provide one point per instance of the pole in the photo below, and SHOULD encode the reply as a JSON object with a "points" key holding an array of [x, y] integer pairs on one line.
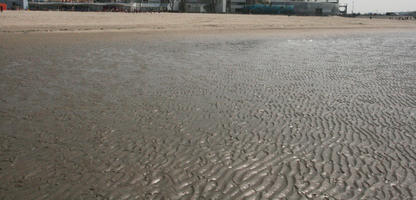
{"points": [[353, 5]]}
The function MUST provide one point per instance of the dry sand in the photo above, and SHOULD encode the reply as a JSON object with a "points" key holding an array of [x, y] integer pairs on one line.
{"points": [[35, 21]]}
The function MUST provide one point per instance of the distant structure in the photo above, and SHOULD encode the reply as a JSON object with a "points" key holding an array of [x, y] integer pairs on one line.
{"points": [[16, 4], [343, 9], [295, 7], [413, 14]]}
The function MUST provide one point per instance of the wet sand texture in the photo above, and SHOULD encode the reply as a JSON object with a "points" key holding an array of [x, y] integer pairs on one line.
{"points": [[116, 116], [40, 21]]}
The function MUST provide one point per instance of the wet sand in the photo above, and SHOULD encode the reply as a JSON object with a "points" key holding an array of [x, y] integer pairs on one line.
{"points": [[271, 115]]}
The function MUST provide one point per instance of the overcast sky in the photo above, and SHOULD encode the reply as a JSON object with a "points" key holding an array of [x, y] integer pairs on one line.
{"points": [[365, 6]]}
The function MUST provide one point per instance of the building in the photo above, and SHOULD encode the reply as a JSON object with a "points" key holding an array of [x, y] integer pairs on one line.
{"points": [[295, 7], [16, 4], [100, 5]]}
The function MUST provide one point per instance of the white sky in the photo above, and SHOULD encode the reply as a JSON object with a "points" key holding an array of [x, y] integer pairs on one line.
{"points": [[365, 6]]}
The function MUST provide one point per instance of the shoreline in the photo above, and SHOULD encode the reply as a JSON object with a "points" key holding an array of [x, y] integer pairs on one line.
{"points": [[100, 37]]}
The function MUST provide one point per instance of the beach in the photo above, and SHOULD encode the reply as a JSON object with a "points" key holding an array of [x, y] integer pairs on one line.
{"points": [[55, 21], [206, 106]]}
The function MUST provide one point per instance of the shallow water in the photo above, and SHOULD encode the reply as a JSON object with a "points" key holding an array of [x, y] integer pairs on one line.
{"points": [[209, 118]]}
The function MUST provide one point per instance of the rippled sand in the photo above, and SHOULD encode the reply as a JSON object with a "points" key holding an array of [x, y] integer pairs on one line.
{"points": [[133, 116]]}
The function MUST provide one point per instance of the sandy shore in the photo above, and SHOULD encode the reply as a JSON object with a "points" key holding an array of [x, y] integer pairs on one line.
{"points": [[94, 110], [130, 117], [53, 21]]}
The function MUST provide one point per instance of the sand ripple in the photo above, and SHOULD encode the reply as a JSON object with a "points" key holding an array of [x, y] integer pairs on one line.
{"points": [[211, 118]]}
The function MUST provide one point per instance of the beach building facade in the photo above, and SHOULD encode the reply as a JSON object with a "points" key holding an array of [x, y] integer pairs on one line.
{"points": [[16, 4], [295, 7]]}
